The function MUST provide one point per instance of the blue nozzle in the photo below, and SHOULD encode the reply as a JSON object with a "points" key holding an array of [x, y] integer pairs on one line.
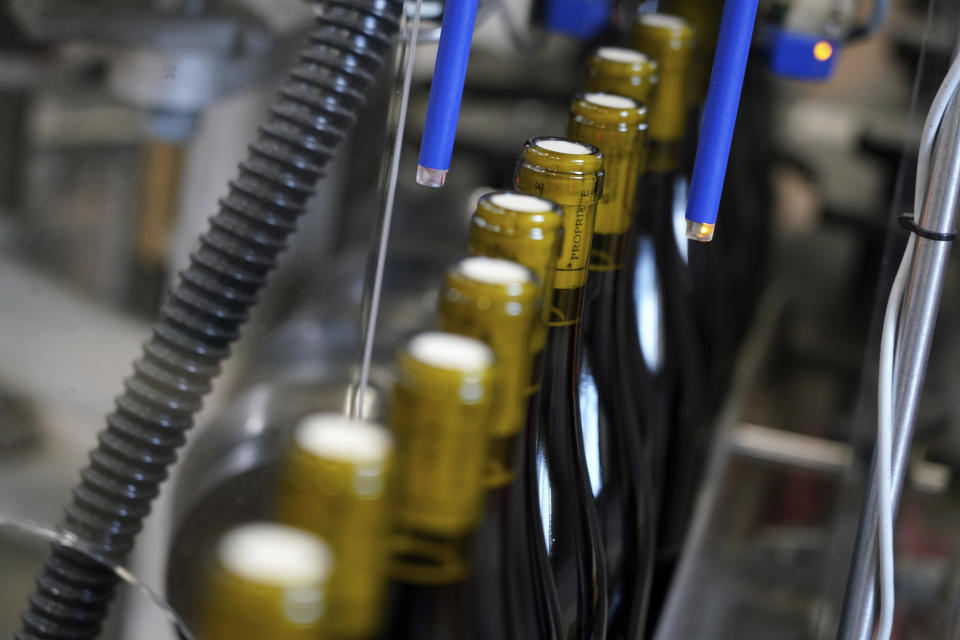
{"points": [[446, 92], [719, 117], [582, 19]]}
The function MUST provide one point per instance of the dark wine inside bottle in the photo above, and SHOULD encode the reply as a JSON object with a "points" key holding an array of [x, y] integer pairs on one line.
{"points": [[497, 301], [569, 173], [670, 40], [439, 419], [611, 419], [514, 582]]}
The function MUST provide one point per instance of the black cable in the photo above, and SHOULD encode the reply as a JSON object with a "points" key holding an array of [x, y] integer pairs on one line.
{"points": [[202, 316]]}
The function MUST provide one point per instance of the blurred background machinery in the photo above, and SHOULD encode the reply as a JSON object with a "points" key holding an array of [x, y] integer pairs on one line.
{"points": [[121, 124]]}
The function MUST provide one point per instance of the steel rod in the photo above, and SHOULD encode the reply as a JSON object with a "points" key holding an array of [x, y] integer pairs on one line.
{"points": [[917, 320]]}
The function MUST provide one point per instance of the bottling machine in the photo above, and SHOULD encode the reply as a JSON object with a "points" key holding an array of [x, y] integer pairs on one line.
{"points": [[260, 203]]}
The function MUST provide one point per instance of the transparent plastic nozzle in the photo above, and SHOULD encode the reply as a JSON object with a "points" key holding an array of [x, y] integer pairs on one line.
{"points": [[430, 177], [700, 231]]}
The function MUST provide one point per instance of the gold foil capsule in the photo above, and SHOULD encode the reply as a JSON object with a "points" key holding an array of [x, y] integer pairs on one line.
{"points": [[571, 174], [266, 581], [496, 301], [668, 40], [616, 125], [440, 411], [625, 72], [334, 483]]}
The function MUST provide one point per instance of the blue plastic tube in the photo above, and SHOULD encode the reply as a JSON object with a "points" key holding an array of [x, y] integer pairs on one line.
{"points": [[446, 91], [719, 117]]}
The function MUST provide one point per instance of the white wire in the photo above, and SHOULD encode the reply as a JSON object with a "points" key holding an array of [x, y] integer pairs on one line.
{"points": [[935, 116], [888, 341], [884, 466]]}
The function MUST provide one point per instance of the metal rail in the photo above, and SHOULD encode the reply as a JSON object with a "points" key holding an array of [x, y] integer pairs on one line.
{"points": [[917, 320]]}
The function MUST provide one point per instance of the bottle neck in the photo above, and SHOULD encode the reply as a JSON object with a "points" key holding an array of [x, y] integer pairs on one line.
{"points": [[663, 156], [608, 252], [561, 358], [606, 292], [655, 204], [566, 308], [655, 209]]}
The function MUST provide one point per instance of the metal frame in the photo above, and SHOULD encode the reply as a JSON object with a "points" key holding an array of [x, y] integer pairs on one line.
{"points": [[917, 320]]}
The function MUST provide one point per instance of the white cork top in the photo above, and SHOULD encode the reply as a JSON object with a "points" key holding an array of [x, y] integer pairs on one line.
{"points": [[494, 271], [611, 100], [521, 202], [620, 54], [450, 351], [275, 554], [333, 436], [564, 146], [662, 20]]}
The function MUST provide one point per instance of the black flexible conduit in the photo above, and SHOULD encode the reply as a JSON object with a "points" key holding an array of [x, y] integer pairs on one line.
{"points": [[202, 316]]}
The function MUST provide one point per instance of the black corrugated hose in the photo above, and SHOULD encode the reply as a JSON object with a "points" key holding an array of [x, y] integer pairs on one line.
{"points": [[202, 316]]}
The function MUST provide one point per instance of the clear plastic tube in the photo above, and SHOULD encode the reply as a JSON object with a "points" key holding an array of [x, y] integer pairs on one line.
{"points": [[70, 541], [389, 187]]}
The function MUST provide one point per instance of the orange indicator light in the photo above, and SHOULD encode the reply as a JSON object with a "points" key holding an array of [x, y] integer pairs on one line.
{"points": [[822, 51]]}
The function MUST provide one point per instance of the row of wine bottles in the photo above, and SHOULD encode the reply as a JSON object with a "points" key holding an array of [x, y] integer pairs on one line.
{"points": [[524, 487]]}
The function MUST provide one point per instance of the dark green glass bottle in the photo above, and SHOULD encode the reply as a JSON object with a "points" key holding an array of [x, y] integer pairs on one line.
{"points": [[439, 420], [624, 72], [571, 174], [334, 483], [496, 301], [670, 40], [651, 383], [728, 273], [266, 580], [527, 230], [611, 374], [635, 75]]}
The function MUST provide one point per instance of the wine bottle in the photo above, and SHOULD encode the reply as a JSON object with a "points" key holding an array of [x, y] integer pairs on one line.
{"points": [[729, 271], [571, 174], [527, 230], [704, 18], [621, 71], [266, 580], [496, 301], [440, 411], [632, 74], [334, 484], [669, 40], [611, 374]]}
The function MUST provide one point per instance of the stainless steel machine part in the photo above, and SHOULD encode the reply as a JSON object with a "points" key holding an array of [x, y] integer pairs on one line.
{"points": [[675, 618], [917, 320], [222, 28]]}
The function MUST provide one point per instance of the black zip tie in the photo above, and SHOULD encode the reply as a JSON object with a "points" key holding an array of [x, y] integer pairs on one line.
{"points": [[907, 222]]}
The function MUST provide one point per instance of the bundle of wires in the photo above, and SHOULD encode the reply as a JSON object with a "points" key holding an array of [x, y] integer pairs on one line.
{"points": [[888, 364]]}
